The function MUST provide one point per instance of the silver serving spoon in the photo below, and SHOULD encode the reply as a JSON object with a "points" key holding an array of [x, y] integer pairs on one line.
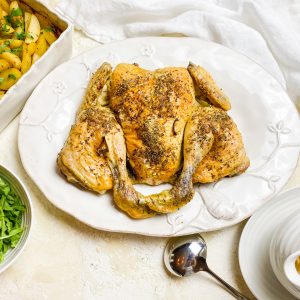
{"points": [[186, 255]]}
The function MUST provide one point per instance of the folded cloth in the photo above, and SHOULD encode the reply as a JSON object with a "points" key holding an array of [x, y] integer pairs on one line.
{"points": [[266, 31]]}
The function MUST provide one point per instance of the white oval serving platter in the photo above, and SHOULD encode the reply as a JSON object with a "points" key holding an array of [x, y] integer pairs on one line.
{"points": [[261, 108]]}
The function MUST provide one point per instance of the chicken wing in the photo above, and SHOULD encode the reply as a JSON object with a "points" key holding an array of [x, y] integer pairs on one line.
{"points": [[208, 88]]}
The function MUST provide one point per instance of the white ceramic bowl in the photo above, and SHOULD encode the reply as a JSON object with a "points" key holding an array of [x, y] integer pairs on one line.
{"points": [[284, 249], [13, 101], [290, 270], [20, 190]]}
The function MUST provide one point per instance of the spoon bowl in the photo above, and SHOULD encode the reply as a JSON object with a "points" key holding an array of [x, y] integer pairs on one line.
{"points": [[186, 255], [182, 255]]}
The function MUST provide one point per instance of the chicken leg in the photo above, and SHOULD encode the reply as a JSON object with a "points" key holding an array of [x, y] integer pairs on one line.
{"points": [[125, 196]]}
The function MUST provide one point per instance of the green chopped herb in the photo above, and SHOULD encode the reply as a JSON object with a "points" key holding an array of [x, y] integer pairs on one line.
{"points": [[7, 18], [20, 36], [17, 23], [49, 29], [16, 18], [17, 50], [12, 76], [1, 79], [4, 50], [5, 44], [11, 214], [5, 28], [3, 47], [16, 12]]}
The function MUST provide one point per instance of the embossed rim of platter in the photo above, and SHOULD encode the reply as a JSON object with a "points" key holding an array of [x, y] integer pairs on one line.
{"points": [[228, 216]]}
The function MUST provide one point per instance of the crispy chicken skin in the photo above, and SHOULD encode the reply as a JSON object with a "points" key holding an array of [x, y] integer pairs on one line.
{"points": [[169, 125]]}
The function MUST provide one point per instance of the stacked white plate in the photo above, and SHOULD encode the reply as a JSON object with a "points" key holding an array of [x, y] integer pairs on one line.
{"points": [[264, 230]]}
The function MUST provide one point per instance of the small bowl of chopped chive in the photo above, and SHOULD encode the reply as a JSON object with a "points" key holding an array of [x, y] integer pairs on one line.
{"points": [[15, 217]]}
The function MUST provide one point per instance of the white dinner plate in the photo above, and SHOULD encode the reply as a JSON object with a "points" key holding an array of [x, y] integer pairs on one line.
{"points": [[255, 242], [262, 110]]}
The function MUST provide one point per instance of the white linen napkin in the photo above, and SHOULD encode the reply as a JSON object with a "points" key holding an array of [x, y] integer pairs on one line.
{"points": [[266, 31]]}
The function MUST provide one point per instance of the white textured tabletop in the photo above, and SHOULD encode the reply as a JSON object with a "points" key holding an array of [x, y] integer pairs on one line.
{"points": [[65, 259]]}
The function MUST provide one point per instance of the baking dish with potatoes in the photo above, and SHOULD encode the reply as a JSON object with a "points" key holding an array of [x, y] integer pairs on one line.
{"points": [[33, 40]]}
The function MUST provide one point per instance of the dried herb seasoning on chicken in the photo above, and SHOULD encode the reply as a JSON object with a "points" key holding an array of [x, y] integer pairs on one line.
{"points": [[169, 125]]}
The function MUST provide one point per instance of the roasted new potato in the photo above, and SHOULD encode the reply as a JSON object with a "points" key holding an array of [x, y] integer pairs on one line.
{"points": [[8, 78], [24, 37]]}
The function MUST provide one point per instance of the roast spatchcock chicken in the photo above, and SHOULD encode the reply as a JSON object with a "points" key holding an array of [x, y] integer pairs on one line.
{"points": [[140, 126]]}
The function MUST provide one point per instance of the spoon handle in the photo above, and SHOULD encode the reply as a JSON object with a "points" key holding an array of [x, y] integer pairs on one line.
{"points": [[231, 289]]}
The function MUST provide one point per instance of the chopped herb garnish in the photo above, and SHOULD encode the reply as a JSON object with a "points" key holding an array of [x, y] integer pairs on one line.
{"points": [[5, 28], [4, 47], [17, 50], [6, 43], [49, 29], [17, 23], [1, 79], [11, 214], [4, 50], [20, 36], [7, 18], [12, 76], [16, 12], [16, 18]]}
